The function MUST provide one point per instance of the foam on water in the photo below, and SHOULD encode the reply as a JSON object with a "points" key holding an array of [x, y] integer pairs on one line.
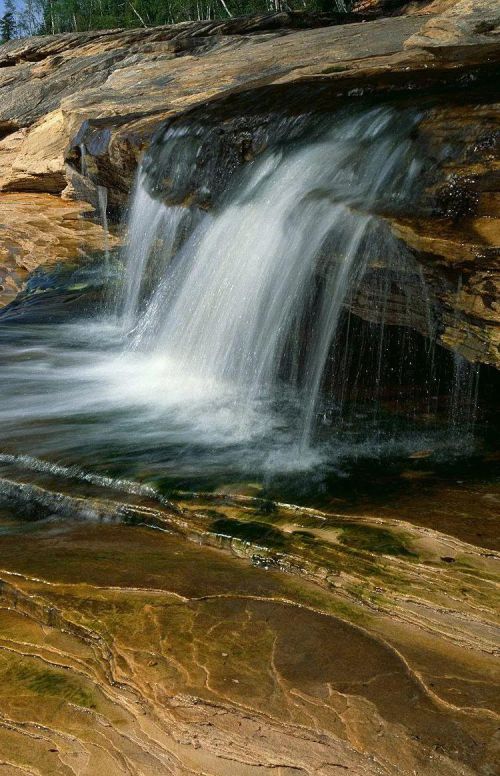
{"points": [[230, 320], [297, 224]]}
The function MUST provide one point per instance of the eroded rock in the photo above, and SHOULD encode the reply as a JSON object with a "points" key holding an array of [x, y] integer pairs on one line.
{"points": [[42, 229], [363, 656]]}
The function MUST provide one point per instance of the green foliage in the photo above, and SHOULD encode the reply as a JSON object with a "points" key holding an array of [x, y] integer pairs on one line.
{"points": [[48, 17], [8, 22], [251, 531], [370, 539], [7, 27]]}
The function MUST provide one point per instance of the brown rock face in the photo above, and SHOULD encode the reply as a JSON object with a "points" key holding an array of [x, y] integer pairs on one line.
{"points": [[40, 228], [365, 645], [400, 7], [458, 244], [105, 94]]}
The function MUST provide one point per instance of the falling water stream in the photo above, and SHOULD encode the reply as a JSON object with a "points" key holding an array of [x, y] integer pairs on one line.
{"points": [[231, 330], [228, 307]]}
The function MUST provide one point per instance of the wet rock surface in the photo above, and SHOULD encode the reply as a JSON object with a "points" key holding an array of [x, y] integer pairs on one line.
{"points": [[39, 229], [312, 641], [146, 632]]}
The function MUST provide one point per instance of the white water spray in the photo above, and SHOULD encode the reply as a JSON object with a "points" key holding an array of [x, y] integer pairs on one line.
{"points": [[102, 201], [292, 238], [233, 326]]}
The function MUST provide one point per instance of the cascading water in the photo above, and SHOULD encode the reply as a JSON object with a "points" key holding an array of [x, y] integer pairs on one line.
{"points": [[236, 351], [102, 201], [298, 223], [151, 238]]}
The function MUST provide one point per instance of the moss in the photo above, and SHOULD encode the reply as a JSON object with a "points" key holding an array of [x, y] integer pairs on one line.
{"points": [[44, 681], [305, 536], [370, 539], [212, 513], [252, 531], [335, 69], [318, 598], [266, 507]]}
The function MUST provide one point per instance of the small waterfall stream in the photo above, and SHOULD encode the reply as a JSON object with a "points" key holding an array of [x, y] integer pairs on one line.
{"points": [[102, 200], [291, 239], [269, 323], [152, 230]]}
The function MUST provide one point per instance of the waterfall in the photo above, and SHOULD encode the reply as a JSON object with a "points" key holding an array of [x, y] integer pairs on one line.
{"points": [[152, 235], [465, 383], [102, 201], [253, 297], [83, 159], [270, 323]]}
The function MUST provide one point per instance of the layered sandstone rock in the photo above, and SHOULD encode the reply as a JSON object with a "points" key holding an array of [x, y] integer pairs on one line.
{"points": [[306, 642], [400, 7], [42, 229], [112, 89]]}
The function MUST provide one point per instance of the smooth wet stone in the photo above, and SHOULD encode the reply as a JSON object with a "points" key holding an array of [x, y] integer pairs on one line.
{"points": [[146, 647], [236, 627], [39, 229]]}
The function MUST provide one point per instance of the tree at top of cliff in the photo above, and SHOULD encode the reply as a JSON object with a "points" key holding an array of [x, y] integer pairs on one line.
{"points": [[54, 16], [7, 26]]}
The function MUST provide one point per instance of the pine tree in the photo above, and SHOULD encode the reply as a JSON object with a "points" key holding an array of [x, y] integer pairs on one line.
{"points": [[7, 26], [46, 17], [8, 22]]}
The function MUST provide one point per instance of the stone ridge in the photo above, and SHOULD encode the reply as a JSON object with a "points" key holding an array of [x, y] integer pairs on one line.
{"points": [[34, 49], [399, 7]]}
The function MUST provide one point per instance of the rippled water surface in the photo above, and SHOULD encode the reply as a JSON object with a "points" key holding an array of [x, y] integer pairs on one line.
{"points": [[71, 394]]}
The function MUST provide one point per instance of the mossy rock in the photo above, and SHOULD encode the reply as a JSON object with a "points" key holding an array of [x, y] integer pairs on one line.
{"points": [[252, 531], [48, 682], [370, 539]]}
